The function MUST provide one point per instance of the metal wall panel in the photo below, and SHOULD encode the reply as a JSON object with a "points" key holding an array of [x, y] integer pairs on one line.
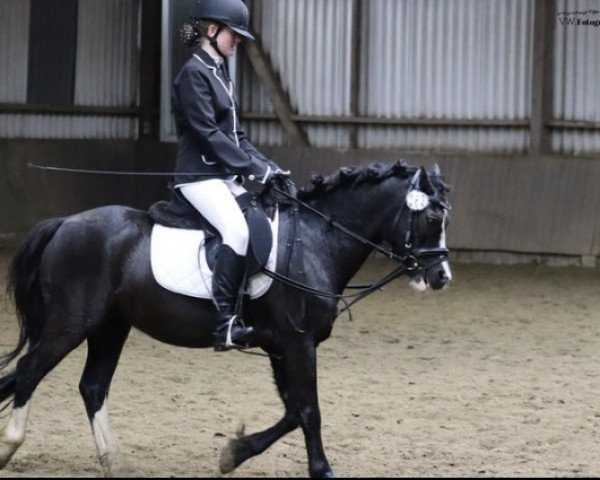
{"points": [[107, 53], [527, 204], [106, 72], [506, 140], [308, 42], [499, 207], [67, 127], [14, 45], [447, 59], [576, 76], [431, 59]]}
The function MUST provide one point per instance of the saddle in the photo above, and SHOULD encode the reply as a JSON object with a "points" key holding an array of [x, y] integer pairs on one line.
{"points": [[179, 213]]}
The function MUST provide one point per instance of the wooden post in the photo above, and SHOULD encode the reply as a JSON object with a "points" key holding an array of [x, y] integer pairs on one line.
{"points": [[279, 99], [542, 80], [356, 45], [149, 72]]}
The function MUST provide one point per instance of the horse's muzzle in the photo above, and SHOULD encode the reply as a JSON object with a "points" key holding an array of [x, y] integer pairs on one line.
{"points": [[439, 276]]}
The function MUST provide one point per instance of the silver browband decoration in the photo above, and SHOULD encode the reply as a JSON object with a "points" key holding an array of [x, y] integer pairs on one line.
{"points": [[416, 200]]}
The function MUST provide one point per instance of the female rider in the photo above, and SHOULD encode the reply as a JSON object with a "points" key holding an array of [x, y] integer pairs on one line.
{"points": [[212, 143]]}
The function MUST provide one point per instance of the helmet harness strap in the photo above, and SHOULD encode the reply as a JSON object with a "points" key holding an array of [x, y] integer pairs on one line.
{"points": [[213, 40]]}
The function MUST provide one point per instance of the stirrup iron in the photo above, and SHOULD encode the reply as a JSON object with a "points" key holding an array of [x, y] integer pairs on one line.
{"points": [[228, 341]]}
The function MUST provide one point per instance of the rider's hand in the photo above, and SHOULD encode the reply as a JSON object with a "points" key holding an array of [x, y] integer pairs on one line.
{"points": [[271, 175], [276, 168], [283, 181], [279, 179]]}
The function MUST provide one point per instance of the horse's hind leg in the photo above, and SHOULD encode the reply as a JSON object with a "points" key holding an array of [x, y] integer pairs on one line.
{"points": [[13, 435], [241, 449], [31, 369], [104, 350]]}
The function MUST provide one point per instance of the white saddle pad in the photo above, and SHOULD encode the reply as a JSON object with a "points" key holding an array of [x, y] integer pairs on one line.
{"points": [[179, 262]]}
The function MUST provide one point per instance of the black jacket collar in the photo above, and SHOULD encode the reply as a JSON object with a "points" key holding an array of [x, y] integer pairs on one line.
{"points": [[210, 61], [203, 54]]}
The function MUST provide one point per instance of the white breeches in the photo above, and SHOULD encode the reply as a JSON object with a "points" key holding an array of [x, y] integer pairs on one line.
{"points": [[215, 200]]}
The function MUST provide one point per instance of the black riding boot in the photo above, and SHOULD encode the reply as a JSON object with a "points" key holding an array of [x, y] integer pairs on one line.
{"points": [[227, 281]]}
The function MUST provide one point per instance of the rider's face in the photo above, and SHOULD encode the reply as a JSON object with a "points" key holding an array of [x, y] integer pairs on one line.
{"points": [[227, 39]]}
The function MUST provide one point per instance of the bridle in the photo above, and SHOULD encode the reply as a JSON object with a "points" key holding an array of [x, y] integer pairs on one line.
{"points": [[416, 202], [412, 261]]}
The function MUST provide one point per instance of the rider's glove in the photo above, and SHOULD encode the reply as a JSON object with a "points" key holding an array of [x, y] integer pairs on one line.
{"points": [[278, 178]]}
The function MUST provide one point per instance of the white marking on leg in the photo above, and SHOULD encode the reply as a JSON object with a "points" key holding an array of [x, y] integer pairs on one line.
{"points": [[106, 444], [13, 435], [417, 283], [445, 265]]}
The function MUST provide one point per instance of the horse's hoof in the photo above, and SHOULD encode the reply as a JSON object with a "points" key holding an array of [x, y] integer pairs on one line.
{"points": [[117, 468], [323, 474], [123, 471], [7, 450], [4, 462], [227, 460]]}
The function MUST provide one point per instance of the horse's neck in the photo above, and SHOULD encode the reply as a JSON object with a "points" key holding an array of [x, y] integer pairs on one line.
{"points": [[340, 255]]}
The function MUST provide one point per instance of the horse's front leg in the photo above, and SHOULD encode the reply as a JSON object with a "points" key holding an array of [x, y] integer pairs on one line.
{"points": [[301, 368], [296, 379], [241, 449]]}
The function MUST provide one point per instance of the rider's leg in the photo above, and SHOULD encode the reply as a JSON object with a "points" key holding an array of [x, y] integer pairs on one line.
{"points": [[214, 199]]}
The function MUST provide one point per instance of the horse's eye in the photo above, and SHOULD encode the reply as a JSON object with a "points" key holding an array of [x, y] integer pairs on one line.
{"points": [[433, 221]]}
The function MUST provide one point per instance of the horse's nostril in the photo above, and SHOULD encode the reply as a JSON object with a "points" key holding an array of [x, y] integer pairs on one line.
{"points": [[441, 275]]}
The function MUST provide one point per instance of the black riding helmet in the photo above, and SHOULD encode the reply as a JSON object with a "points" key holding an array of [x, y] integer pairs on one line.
{"points": [[232, 13]]}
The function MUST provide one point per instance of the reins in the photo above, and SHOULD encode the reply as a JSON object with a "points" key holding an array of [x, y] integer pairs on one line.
{"points": [[409, 263], [339, 226]]}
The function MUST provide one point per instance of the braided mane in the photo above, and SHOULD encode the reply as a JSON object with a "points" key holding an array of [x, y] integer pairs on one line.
{"points": [[373, 173]]}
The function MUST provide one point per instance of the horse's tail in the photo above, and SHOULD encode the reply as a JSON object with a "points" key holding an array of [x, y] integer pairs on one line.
{"points": [[24, 289]]}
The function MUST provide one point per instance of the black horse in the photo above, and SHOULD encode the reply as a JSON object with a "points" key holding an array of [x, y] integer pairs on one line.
{"points": [[88, 277]]}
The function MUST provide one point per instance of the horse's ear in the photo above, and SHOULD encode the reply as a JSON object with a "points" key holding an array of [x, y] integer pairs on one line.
{"points": [[435, 170], [425, 184]]}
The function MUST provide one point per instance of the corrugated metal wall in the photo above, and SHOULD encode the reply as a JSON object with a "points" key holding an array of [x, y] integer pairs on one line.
{"points": [[431, 59], [577, 78], [309, 45], [14, 43], [106, 72], [425, 60], [447, 59], [70, 127], [107, 53], [450, 59]]}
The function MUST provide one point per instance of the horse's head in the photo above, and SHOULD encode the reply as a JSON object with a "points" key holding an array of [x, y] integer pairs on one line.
{"points": [[419, 230]]}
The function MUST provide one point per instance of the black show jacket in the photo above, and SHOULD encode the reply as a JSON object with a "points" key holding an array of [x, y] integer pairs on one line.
{"points": [[210, 139]]}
